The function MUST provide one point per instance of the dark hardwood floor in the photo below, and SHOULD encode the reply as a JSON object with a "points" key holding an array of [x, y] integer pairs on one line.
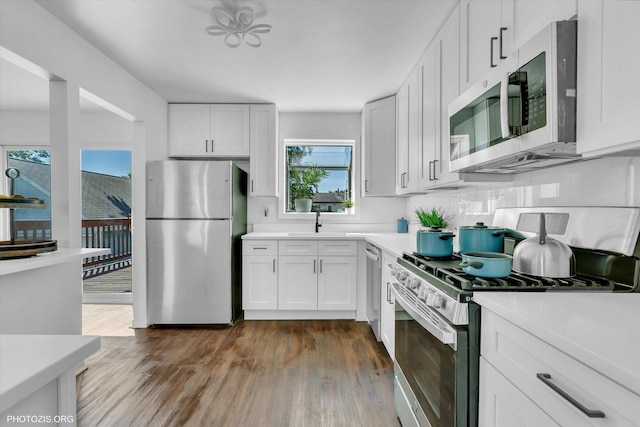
{"points": [[256, 373]]}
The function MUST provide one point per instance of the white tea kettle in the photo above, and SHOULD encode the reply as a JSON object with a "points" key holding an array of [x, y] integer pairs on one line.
{"points": [[544, 256]]}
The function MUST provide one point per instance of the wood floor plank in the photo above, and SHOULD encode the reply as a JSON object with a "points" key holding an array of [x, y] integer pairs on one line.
{"points": [[256, 373]]}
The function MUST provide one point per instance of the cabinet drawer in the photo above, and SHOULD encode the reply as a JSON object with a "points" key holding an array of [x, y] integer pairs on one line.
{"points": [[520, 357], [337, 247], [297, 247], [260, 247]]}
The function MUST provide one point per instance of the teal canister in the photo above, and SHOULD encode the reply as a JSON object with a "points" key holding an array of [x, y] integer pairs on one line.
{"points": [[403, 226]]}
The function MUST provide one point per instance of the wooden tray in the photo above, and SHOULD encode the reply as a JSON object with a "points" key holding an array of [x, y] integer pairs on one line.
{"points": [[26, 248], [9, 203]]}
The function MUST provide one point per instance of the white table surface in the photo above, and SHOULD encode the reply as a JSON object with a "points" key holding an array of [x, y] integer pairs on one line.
{"points": [[601, 330], [28, 362], [10, 266]]}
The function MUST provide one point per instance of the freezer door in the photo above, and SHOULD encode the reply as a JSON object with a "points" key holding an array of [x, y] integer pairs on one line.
{"points": [[188, 189], [189, 271]]}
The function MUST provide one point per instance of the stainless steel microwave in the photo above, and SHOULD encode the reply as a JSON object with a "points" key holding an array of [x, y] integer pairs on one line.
{"points": [[522, 116]]}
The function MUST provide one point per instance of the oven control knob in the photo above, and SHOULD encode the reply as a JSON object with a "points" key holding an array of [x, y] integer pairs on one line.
{"points": [[424, 293], [394, 271], [414, 283], [439, 301]]}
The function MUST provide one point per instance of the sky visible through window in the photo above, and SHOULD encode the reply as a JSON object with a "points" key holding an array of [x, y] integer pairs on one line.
{"points": [[107, 162]]}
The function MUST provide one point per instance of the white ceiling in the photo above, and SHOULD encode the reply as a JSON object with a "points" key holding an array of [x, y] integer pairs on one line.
{"points": [[321, 56]]}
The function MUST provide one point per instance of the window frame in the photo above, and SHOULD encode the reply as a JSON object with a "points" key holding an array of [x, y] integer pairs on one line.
{"points": [[282, 181]]}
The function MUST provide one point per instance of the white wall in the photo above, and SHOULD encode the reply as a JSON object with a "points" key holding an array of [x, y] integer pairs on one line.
{"points": [[33, 34], [611, 181], [373, 213], [32, 128]]}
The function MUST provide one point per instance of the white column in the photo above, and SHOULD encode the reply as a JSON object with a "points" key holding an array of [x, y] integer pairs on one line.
{"points": [[66, 187], [138, 225]]}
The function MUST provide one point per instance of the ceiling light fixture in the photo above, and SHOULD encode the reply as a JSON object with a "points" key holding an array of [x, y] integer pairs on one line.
{"points": [[237, 27]]}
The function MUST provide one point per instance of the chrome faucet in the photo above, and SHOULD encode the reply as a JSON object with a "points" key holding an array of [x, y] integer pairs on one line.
{"points": [[318, 223]]}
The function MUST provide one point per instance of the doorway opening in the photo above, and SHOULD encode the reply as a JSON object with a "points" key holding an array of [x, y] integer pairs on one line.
{"points": [[106, 223]]}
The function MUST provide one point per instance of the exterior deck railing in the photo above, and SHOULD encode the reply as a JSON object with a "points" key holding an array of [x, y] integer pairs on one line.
{"points": [[114, 233]]}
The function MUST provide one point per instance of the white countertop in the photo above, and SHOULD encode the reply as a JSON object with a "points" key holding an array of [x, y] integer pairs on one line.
{"points": [[9, 266], [394, 243], [601, 330], [28, 362]]}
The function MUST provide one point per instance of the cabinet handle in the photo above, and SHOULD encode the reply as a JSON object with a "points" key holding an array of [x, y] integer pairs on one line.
{"points": [[320, 266], [314, 265], [591, 413], [403, 183], [212, 145], [274, 265], [259, 247], [430, 175], [366, 185], [502, 30], [389, 292], [435, 177], [206, 145], [492, 40], [252, 186]]}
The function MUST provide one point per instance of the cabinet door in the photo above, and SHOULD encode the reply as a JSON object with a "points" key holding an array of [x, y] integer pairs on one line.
{"points": [[408, 132], [189, 130], [387, 306], [532, 16], [480, 21], [264, 144], [230, 130], [259, 283], [608, 97], [379, 157], [337, 283], [297, 282], [503, 405], [429, 116], [447, 47]]}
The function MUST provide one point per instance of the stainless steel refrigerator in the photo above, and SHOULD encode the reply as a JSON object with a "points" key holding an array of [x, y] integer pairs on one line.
{"points": [[196, 213]]}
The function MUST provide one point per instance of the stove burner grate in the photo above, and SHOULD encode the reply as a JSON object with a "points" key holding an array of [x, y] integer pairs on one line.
{"points": [[518, 281]]}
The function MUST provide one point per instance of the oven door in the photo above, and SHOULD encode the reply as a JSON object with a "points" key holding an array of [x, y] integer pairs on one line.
{"points": [[432, 377]]}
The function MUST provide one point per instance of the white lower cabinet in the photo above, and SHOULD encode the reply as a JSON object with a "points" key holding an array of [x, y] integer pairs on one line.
{"points": [[526, 381], [336, 283], [303, 275], [297, 282], [259, 275], [387, 305], [504, 405]]}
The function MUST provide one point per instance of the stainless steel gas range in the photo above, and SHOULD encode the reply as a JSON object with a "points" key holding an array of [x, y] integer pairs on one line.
{"points": [[437, 324]]}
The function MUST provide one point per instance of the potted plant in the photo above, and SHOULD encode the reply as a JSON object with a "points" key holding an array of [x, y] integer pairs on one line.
{"points": [[303, 184], [348, 205], [435, 217], [431, 240]]}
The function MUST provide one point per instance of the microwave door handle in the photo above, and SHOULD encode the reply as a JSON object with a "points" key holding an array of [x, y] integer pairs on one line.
{"points": [[504, 106]]}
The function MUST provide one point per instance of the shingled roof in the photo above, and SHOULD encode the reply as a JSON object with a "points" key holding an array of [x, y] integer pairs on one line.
{"points": [[103, 196]]}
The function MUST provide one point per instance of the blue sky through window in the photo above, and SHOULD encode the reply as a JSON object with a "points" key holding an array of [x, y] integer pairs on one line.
{"points": [[107, 162]]}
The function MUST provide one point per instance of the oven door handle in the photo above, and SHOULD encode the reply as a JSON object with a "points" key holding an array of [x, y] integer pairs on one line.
{"points": [[442, 332]]}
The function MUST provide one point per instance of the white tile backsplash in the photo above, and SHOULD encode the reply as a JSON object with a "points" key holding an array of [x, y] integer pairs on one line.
{"points": [[613, 181]]}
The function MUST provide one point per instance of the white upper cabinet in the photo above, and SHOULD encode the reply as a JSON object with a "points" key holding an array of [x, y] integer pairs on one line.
{"points": [[263, 160], [492, 29], [379, 148], [608, 96], [209, 130], [447, 51], [409, 112], [429, 144], [484, 42]]}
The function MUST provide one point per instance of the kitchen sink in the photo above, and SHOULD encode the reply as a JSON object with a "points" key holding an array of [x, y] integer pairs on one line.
{"points": [[319, 234]]}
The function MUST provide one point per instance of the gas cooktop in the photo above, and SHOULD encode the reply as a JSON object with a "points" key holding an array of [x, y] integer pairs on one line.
{"points": [[448, 271]]}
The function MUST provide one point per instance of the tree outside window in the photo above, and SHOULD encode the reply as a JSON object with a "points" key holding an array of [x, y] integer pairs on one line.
{"points": [[322, 172]]}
